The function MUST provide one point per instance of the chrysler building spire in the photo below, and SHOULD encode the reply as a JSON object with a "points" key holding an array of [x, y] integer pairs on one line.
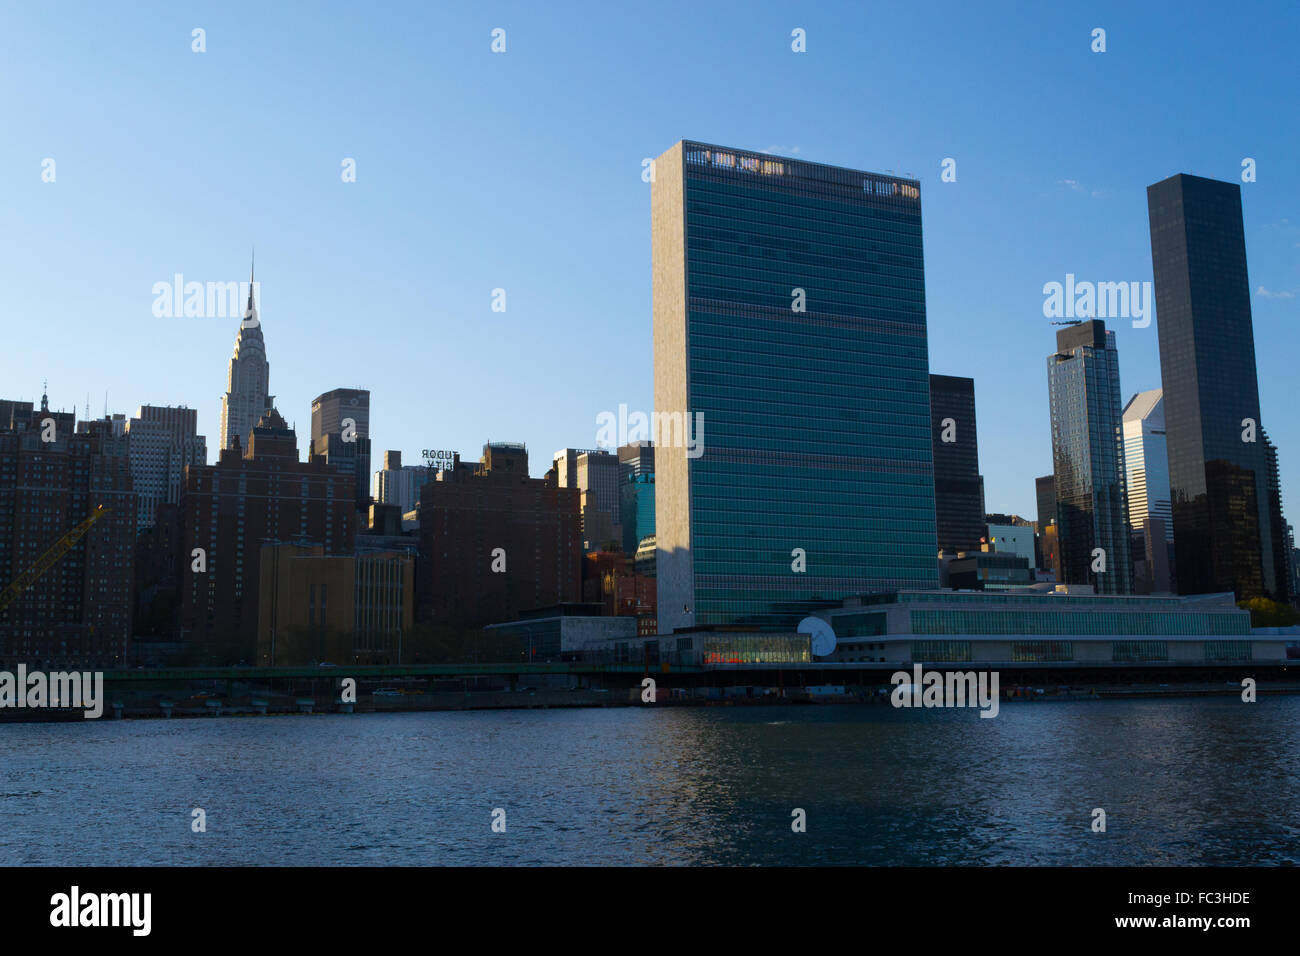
{"points": [[250, 310], [247, 377]]}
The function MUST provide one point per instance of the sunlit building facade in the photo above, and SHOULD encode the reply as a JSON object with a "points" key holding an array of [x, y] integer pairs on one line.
{"points": [[1146, 472]]}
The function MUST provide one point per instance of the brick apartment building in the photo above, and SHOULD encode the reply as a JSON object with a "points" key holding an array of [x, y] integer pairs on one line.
{"points": [[469, 512], [251, 498], [78, 613]]}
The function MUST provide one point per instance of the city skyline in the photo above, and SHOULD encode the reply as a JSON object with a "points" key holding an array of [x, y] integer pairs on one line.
{"points": [[1011, 222], [790, 311], [699, 435]]}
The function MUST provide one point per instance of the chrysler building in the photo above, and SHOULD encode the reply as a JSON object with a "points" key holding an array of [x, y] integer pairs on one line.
{"points": [[247, 379]]}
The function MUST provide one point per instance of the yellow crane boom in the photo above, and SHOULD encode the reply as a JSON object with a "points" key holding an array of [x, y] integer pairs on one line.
{"points": [[49, 558]]}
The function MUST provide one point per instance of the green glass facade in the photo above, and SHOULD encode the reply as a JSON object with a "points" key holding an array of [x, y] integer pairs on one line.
{"points": [[636, 509], [804, 340]]}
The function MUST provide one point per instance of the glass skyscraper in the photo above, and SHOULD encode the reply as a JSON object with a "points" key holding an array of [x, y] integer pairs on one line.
{"points": [[636, 478], [789, 321], [1218, 477], [1088, 458]]}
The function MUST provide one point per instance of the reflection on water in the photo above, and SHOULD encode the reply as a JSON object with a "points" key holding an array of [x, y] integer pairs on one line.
{"points": [[1181, 781]]}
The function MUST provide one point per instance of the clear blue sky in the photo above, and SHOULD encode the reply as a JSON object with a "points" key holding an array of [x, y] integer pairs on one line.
{"points": [[523, 171]]}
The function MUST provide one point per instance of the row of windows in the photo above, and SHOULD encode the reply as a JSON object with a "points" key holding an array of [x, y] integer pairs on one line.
{"points": [[941, 651], [910, 326], [779, 295], [779, 516], [722, 437], [750, 342], [1097, 622], [766, 220], [1122, 652], [848, 190], [782, 271], [818, 215], [858, 386]]}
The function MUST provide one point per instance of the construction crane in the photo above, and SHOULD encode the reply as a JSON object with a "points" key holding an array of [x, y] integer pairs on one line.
{"points": [[49, 559]]}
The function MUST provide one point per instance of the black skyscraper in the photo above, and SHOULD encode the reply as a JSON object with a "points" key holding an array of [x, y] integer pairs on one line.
{"points": [[1217, 460], [1046, 551], [1045, 491], [958, 486]]}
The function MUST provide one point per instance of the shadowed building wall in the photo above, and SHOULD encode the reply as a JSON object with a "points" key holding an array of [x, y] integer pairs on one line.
{"points": [[468, 513], [246, 500], [343, 609], [79, 612], [958, 486]]}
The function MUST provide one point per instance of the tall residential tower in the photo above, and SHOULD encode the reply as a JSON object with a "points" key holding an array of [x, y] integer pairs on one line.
{"points": [[162, 441], [1088, 459]]}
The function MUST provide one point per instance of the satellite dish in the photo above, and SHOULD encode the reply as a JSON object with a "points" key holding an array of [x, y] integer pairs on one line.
{"points": [[823, 635]]}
